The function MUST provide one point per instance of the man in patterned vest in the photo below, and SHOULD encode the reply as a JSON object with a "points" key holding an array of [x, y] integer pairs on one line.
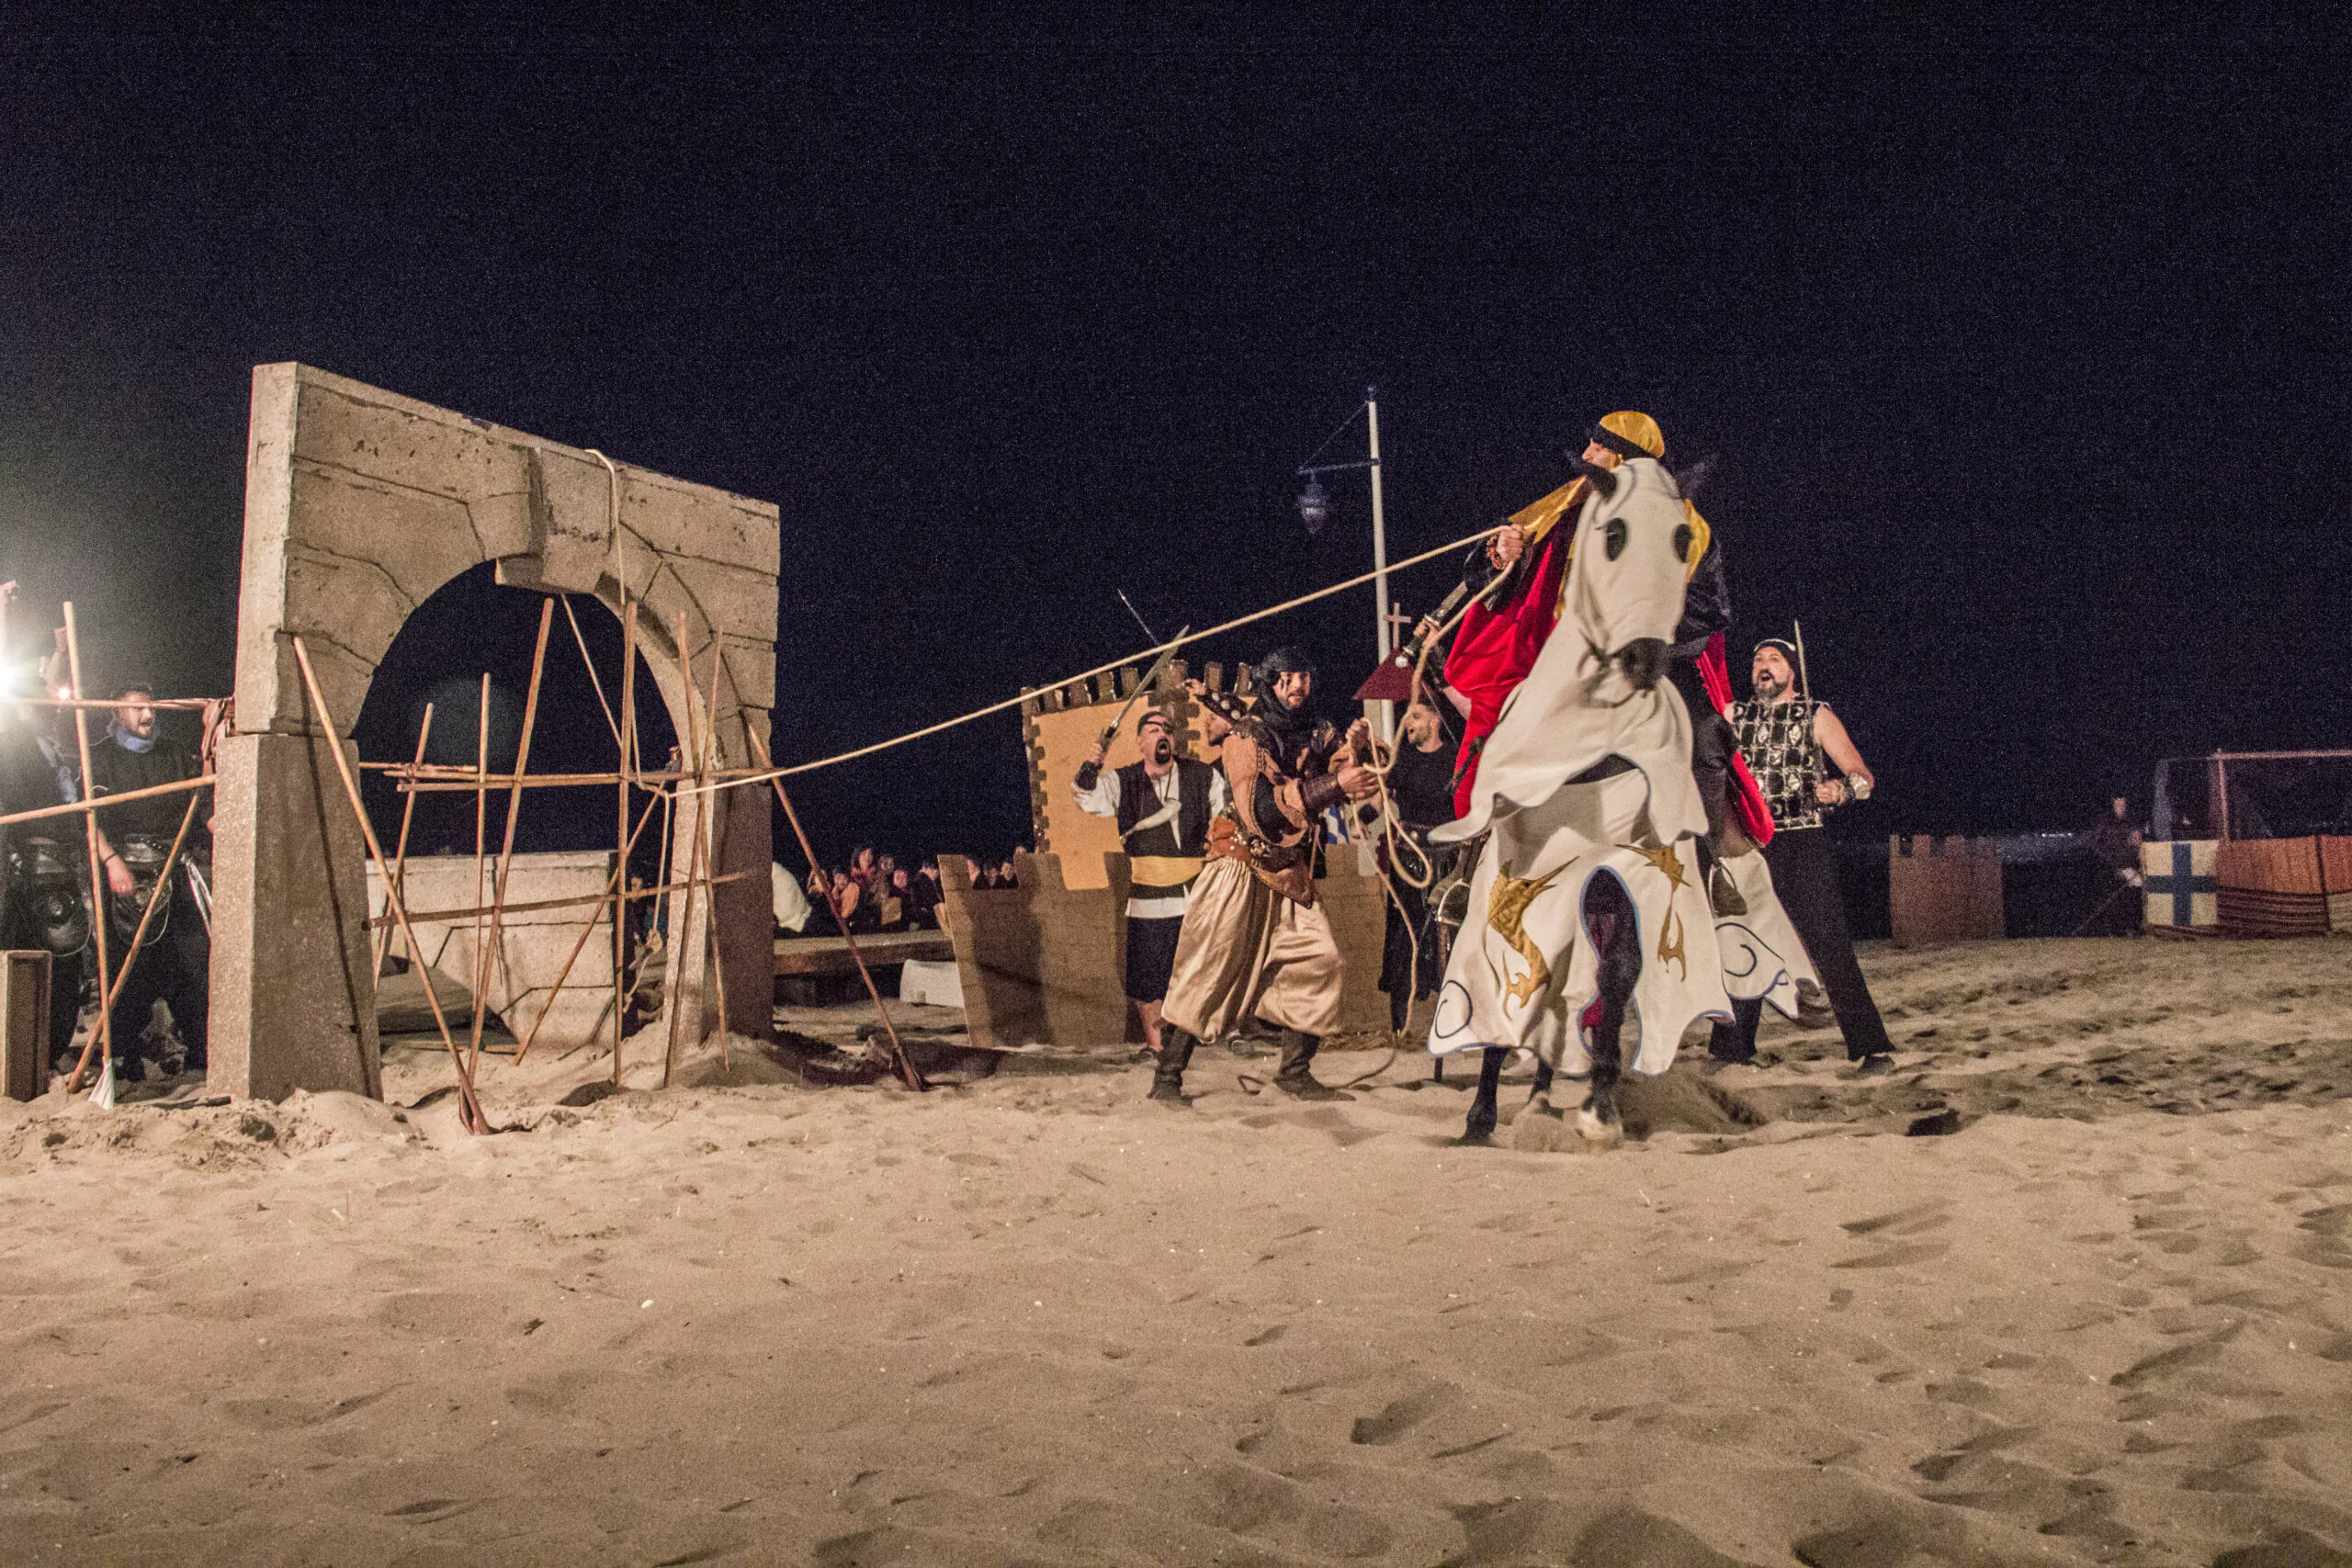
{"points": [[1784, 738], [1162, 805]]}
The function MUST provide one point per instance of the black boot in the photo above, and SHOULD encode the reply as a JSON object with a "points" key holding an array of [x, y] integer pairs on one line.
{"points": [[1293, 1078], [1175, 1056], [1723, 892]]}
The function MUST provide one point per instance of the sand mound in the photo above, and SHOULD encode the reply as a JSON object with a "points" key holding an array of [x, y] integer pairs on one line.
{"points": [[196, 1132], [1680, 1100]]}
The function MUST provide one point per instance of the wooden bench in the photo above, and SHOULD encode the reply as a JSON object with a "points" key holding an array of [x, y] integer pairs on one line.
{"points": [[829, 954]]}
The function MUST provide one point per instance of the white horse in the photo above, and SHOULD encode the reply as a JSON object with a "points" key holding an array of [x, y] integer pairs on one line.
{"points": [[1588, 900]]}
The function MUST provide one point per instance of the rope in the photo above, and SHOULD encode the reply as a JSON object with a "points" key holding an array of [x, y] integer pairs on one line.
{"points": [[1149, 653], [1394, 837]]}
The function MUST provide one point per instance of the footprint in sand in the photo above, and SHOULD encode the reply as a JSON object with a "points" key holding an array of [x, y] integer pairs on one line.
{"points": [[1396, 1417], [1902, 1221], [1894, 1257]]}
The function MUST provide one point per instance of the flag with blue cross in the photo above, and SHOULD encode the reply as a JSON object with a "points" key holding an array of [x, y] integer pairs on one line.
{"points": [[2180, 878]]}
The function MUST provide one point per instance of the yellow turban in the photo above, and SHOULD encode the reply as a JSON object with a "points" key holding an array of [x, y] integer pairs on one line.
{"points": [[1638, 428], [1627, 425]]}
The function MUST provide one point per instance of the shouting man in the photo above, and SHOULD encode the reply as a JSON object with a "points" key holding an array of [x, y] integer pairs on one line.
{"points": [[1784, 738], [1162, 805]]}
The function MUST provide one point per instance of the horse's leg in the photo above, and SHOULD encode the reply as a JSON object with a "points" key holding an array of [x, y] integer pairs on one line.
{"points": [[1481, 1127], [1611, 917]]}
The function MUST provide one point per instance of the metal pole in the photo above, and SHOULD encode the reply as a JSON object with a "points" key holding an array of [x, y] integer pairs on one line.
{"points": [[1383, 718]]}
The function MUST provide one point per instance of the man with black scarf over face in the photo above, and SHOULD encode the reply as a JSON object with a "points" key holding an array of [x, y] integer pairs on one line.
{"points": [[1254, 944]]}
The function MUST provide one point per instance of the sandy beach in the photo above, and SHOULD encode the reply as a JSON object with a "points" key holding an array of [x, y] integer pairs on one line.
{"points": [[1031, 1318]]}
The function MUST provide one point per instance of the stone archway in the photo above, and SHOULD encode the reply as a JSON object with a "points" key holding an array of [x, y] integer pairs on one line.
{"points": [[360, 503]]}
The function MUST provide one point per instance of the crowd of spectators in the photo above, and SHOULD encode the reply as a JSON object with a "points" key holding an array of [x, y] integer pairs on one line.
{"points": [[875, 892]]}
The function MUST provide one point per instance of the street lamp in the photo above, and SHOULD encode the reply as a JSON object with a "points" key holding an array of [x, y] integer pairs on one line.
{"points": [[1314, 509]]}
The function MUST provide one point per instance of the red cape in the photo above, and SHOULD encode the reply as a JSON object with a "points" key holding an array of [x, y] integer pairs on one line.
{"points": [[1494, 650]]}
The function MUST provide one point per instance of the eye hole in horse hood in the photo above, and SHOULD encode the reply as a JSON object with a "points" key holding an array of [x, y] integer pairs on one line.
{"points": [[1683, 541], [1613, 536]]}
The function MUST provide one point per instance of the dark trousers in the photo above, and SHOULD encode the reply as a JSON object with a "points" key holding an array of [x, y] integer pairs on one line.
{"points": [[1804, 875], [175, 968]]}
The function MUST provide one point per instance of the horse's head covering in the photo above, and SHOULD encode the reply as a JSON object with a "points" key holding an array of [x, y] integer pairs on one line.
{"points": [[1631, 433]]}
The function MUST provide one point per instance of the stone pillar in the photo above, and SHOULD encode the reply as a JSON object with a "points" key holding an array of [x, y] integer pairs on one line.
{"points": [[293, 1000], [745, 911]]}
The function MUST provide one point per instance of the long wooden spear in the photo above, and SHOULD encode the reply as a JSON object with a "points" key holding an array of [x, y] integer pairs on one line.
{"points": [[104, 1038]]}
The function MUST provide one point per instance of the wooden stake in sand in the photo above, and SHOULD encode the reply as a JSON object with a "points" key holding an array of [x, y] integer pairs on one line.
{"points": [[899, 1062], [674, 983], [400, 854], [514, 814], [481, 829], [709, 849], [468, 1107], [104, 1038], [623, 839]]}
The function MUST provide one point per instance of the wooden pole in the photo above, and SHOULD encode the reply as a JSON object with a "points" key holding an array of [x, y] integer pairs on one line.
{"points": [[678, 957], [593, 678], [104, 1039], [619, 881], [482, 821], [710, 849], [156, 896], [899, 1062], [694, 881], [468, 1107], [400, 855], [513, 812], [624, 840], [85, 807], [433, 779]]}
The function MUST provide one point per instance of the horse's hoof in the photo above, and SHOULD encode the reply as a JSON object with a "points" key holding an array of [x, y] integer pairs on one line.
{"points": [[1599, 1133], [1474, 1139]]}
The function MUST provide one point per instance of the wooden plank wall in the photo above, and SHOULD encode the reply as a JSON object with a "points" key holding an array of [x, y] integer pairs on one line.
{"points": [[1943, 889]]}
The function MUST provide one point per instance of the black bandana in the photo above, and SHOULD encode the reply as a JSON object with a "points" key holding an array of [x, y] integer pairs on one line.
{"points": [[1618, 445]]}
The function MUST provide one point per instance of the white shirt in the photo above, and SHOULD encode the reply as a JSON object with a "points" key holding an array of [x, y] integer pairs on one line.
{"points": [[1102, 800]]}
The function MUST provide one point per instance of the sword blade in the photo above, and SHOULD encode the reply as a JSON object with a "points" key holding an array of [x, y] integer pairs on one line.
{"points": [[1150, 678]]}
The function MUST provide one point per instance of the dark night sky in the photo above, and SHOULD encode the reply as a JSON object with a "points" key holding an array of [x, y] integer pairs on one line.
{"points": [[2025, 353]]}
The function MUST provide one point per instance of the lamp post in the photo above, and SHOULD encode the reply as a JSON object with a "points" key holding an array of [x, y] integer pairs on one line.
{"points": [[1314, 509]]}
